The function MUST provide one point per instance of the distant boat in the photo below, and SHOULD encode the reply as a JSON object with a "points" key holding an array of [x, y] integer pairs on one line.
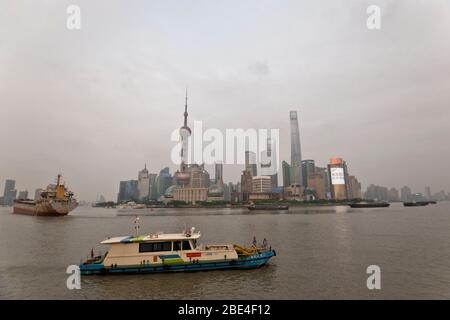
{"points": [[56, 200], [130, 206], [416, 204], [369, 204], [267, 207]]}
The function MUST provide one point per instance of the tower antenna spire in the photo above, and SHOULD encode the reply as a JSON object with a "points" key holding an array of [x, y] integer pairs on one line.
{"points": [[185, 109]]}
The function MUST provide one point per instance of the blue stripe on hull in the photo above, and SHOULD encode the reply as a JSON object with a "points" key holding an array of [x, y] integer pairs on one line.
{"points": [[245, 263]]}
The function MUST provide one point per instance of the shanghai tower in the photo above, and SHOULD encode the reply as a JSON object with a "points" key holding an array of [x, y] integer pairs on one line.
{"points": [[296, 154]]}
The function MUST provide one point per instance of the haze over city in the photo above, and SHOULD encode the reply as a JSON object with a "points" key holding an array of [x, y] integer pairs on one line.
{"points": [[98, 103]]}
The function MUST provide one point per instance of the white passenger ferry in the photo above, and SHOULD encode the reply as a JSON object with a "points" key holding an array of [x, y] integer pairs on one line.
{"points": [[162, 252]]}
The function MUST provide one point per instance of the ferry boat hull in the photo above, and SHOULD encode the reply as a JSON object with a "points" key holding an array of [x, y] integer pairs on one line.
{"points": [[250, 262]]}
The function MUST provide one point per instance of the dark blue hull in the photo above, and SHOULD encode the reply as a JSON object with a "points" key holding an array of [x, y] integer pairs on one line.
{"points": [[254, 261]]}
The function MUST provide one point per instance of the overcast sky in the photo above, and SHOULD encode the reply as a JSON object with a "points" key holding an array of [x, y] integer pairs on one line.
{"points": [[98, 103]]}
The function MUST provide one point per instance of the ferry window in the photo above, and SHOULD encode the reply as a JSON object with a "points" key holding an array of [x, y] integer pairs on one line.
{"points": [[162, 246], [176, 245], [186, 245], [145, 247], [194, 244], [155, 246]]}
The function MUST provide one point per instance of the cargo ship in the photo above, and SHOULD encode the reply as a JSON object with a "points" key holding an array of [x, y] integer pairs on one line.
{"points": [[176, 252], [416, 204], [381, 204], [56, 200], [267, 207]]}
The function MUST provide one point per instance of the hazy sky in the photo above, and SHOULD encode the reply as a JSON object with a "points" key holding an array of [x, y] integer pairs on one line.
{"points": [[98, 103]]}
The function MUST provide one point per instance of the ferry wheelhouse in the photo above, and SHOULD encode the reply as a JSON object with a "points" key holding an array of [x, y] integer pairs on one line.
{"points": [[162, 252]]}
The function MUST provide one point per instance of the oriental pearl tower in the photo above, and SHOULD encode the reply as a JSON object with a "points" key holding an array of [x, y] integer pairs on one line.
{"points": [[183, 176]]}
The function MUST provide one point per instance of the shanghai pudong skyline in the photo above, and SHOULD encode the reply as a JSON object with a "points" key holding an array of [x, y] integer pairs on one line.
{"points": [[298, 170]]}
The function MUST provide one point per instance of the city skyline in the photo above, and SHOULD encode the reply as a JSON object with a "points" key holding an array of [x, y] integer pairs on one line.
{"points": [[102, 101]]}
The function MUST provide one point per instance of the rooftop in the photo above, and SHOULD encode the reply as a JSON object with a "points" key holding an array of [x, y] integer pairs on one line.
{"points": [[152, 237]]}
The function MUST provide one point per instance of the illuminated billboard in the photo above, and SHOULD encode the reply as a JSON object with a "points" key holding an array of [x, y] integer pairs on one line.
{"points": [[337, 176]]}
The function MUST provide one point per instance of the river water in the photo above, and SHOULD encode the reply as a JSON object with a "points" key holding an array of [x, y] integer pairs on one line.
{"points": [[322, 253]]}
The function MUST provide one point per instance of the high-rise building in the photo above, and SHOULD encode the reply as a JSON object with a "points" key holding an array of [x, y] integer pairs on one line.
{"points": [[10, 193], [153, 193], [246, 184], [296, 155], [163, 181], [308, 167], [261, 184], [393, 195], [326, 179], [428, 193], [354, 188], [316, 182], [185, 133], [219, 173], [23, 195], [375, 192], [405, 194], [250, 163], [337, 169], [128, 191], [286, 168], [269, 162], [143, 183]]}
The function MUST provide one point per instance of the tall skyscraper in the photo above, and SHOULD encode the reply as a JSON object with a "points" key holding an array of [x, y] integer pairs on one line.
{"points": [[326, 180], [185, 133], [153, 193], [143, 183], [337, 169], [269, 162], [250, 163], [354, 188], [219, 173], [23, 195], [308, 167], [10, 193], [164, 181], [296, 155], [428, 193], [316, 182], [286, 168], [393, 195], [405, 194], [375, 192], [246, 184], [128, 191]]}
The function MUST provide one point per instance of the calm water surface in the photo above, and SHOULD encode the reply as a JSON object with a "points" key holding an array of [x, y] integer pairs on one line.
{"points": [[322, 253]]}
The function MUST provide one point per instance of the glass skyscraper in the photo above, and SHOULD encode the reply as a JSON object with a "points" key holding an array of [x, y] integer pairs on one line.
{"points": [[296, 154]]}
